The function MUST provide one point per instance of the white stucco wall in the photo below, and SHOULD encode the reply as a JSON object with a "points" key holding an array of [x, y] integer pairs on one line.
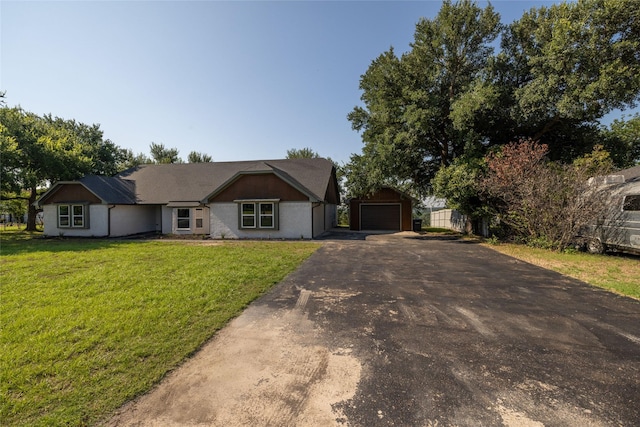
{"points": [[318, 219], [167, 220], [294, 222], [330, 216], [173, 221], [129, 219], [98, 224]]}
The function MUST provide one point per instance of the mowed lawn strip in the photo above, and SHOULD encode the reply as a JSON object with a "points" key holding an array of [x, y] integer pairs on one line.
{"points": [[89, 325], [619, 274]]}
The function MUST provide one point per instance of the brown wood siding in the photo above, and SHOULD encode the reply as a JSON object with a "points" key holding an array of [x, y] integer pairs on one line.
{"points": [[407, 215], [332, 195], [354, 214], [384, 195], [71, 193], [259, 186]]}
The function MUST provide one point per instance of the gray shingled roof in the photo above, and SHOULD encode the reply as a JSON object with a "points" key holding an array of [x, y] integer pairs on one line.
{"points": [[159, 184], [111, 190]]}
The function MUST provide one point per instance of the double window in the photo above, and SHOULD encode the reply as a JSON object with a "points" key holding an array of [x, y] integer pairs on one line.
{"points": [[258, 214], [72, 216]]}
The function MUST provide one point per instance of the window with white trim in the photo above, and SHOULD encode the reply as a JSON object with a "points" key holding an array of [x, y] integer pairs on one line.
{"points": [[248, 215], [183, 218], [267, 215], [258, 214], [199, 218], [72, 216]]}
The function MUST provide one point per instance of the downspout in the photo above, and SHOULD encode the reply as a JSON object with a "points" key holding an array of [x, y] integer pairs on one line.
{"points": [[313, 206], [312, 221], [109, 219]]}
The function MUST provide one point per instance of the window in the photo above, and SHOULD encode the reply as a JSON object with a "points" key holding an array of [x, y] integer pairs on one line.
{"points": [[184, 219], [631, 203], [199, 218], [248, 215], [258, 214], [63, 216], [77, 215], [266, 215], [72, 216]]}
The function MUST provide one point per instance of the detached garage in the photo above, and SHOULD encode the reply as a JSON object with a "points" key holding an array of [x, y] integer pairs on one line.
{"points": [[385, 210]]}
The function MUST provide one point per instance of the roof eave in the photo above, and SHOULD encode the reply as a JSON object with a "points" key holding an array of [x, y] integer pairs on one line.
{"points": [[60, 183]]}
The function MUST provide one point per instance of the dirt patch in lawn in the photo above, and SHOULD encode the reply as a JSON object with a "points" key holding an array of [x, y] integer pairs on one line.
{"points": [[265, 368]]}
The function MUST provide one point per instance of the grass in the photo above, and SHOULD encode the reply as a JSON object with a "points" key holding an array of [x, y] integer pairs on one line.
{"points": [[88, 325], [619, 274], [439, 230]]}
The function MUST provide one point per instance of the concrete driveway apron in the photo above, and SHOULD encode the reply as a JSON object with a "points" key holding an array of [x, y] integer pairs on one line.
{"points": [[402, 331]]}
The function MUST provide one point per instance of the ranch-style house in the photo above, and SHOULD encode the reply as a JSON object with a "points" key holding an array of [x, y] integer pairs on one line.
{"points": [[266, 199]]}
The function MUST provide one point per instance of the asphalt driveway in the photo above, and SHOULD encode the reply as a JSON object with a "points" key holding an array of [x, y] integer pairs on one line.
{"points": [[404, 331]]}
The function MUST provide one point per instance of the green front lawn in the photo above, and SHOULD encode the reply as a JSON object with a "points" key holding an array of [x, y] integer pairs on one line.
{"points": [[88, 325]]}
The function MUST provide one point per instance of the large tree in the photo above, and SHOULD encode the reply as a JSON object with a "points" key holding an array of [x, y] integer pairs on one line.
{"points": [[197, 157], [302, 153], [560, 70], [131, 160], [563, 68], [161, 154], [622, 140], [37, 151], [412, 121], [106, 158]]}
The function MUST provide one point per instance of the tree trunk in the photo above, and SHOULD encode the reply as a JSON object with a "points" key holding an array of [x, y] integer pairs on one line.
{"points": [[468, 225], [31, 210]]}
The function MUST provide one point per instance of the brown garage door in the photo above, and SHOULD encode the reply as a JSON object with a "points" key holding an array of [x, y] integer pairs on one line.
{"points": [[380, 217]]}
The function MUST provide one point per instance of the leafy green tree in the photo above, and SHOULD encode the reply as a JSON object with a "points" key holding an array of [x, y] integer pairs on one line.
{"points": [[196, 157], [130, 160], [105, 157], [302, 153], [564, 67], [459, 184], [15, 207], [36, 152], [559, 71], [622, 140], [417, 107], [160, 154]]}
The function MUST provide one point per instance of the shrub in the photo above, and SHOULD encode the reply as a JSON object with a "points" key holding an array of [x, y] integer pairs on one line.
{"points": [[542, 202]]}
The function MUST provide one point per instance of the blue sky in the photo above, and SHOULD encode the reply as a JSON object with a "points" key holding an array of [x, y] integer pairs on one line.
{"points": [[236, 80]]}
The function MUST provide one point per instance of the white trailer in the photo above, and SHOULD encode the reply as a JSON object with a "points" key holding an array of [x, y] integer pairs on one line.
{"points": [[619, 228]]}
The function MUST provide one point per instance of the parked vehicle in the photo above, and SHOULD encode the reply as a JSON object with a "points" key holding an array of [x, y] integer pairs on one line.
{"points": [[619, 228]]}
